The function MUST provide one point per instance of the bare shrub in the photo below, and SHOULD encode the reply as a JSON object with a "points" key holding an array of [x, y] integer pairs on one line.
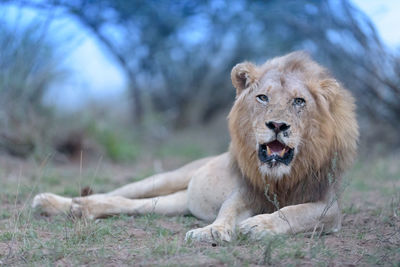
{"points": [[28, 67]]}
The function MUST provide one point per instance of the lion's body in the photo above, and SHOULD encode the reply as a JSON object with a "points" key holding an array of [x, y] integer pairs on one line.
{"points": [[270, 181]]}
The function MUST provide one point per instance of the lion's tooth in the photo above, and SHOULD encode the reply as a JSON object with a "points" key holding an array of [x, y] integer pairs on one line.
{"points": [[268, 151], [283, 152]]}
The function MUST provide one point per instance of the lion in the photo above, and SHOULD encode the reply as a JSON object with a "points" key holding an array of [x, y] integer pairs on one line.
{"points": [[293, 134]]}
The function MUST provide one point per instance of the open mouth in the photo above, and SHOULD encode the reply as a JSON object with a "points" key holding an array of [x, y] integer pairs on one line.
{"points": [[275, 152]]}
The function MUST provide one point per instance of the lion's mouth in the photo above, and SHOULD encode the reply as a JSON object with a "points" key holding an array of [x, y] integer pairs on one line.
{"points": [[275, 152]]}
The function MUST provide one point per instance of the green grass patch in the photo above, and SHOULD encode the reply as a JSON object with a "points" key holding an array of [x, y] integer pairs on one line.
{"points": [[6, 236], [51, 180], [167, 248], [119, 146], [5, 214], [70, 190], [188, 151]]}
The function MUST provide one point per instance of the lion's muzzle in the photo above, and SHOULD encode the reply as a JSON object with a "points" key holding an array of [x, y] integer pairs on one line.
{"points": [[274, 153]]}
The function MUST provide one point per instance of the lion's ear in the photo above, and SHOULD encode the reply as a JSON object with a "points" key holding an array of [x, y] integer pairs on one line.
{"points": [[243, 75], [330, 88]]}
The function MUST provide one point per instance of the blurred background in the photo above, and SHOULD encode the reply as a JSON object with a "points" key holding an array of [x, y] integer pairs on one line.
{"points": [[151, 79]]}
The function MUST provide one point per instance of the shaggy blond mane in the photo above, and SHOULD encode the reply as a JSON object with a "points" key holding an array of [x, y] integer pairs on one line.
{"points": [[329, 146]]}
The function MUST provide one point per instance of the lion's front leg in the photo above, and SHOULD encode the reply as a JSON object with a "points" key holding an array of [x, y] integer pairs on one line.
{"points": [[294, 219], [214, 232], [261, 225], [222, 229]]}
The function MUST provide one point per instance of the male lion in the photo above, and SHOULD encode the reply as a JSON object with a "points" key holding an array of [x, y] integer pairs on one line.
{"points": [[293, 131]]}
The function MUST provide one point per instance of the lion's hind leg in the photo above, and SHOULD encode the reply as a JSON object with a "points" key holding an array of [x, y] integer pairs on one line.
{"points": [[98, 206], [51, 204], [161, 184]]}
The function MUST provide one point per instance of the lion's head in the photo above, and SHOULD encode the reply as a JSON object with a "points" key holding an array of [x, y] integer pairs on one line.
{"points": [[291, 121]]}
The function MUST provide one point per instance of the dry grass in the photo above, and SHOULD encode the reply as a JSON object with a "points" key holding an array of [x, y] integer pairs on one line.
{"points": [[370, 233]]}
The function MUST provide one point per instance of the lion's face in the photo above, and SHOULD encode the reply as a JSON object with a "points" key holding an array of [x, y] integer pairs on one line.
{"points": [[281, 118], [286, 115]]}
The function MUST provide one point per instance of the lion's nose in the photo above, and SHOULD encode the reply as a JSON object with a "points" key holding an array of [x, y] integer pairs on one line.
{"points": [[277, 126]]}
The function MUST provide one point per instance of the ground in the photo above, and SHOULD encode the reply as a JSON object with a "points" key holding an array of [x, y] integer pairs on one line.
{"points": [[370, 234]]}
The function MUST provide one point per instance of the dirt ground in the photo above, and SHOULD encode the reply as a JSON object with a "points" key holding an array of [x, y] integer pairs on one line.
{"points": [[370, 233]]}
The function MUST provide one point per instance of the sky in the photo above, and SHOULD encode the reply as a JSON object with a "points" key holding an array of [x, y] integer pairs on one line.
{"points": [[386, 16], [96, 75]]}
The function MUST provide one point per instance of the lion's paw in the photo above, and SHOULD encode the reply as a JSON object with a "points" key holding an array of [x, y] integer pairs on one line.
{"points": [[259, 226], [90, 207], [210, 233], [51, 204]]}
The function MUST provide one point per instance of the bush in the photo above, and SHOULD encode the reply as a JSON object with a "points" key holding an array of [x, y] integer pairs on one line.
{"points": [[28, 68]]}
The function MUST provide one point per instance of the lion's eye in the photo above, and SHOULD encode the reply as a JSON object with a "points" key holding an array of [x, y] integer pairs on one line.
{"points": [[298, 101], [262, 99]]}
